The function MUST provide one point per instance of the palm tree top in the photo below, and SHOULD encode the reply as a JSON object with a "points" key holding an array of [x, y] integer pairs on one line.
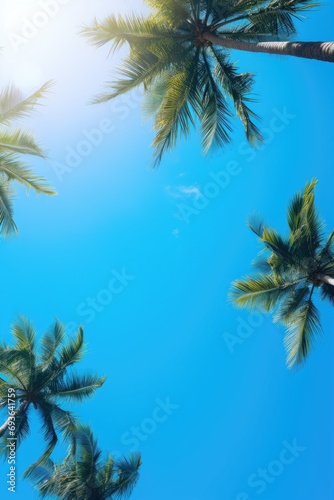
{"points": [[289, 272], [41, 373], [190, 19], [187, 78], [87, 474], [15, 143]]}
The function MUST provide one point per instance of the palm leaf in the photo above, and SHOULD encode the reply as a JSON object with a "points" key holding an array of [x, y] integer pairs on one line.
{"points": [[14, 106], [7, 223], [238, 87], [20, 142], [78, 387], [15, 170], [174, 116], [301, 333], [262, 292]]}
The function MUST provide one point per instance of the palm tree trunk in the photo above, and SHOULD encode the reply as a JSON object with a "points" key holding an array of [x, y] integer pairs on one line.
{"points": [[21, 409], [323, 278], [322, 51]]}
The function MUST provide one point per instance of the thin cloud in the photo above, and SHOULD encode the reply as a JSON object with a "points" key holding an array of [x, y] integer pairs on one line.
{"points": [[184, 192]]}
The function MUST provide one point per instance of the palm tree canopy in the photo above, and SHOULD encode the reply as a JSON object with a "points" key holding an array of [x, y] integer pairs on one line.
{"points": [[87, 475], [288, 273], [41, 374], [185, 78], [13, 144]]}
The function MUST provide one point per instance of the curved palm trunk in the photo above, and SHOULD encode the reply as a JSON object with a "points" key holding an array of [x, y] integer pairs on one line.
{"points": [[322, 51], [323, 278], [21, 409]]}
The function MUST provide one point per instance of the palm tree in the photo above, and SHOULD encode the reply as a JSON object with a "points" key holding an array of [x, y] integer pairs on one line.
{"points": [[290, 272], [40, 374], [179, 54], [13, 144], [86, 475]]}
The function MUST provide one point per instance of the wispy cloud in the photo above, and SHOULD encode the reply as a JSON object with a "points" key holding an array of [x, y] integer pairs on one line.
{"points": [[184, 191], [190, 191]]}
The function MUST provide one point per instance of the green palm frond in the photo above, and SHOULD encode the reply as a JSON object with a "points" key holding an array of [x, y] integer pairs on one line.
{"points": [[262, 292], [13, 144], [40, 372], [238, 87], [327, 252], [285, 311], [14, 106], [24, 334], [174, 117], [162, 46], [72, 351], [50, 342], [215, 114], [175, 26], [301, 332], [41, 474], [273, 16], [20, 142], [293, 268], [78, 387], [306, 227], [256, 224], [119, 30], [7, 223], [11, 367], [327, 293], [128, 474], [14, 170], [86, 474]]}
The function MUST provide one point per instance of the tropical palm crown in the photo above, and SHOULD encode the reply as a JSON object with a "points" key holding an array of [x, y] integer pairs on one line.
{"points": [[40, 372], [86, 474], [14, 143], [179, 54], [291, 270]]}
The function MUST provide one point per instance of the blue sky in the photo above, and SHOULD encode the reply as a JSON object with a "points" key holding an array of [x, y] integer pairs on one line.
{"points": [[207, 416]]}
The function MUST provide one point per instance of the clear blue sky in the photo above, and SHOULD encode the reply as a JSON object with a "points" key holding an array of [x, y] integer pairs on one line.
{"points": [[162, 339]]}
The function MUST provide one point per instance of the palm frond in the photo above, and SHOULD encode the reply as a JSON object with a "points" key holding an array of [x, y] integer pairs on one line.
{"points": [[15, 170], [24, 334], [78, 387], [285, 311], [14, 106], [20, 142], [174, 117], [301, 333], [215, 114], [73, 351], [238, 87], [327, 293], [256, 224], [119, 30], [49, 434], [262, 292], [128, 475], [7, 223], [50, 342]]}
